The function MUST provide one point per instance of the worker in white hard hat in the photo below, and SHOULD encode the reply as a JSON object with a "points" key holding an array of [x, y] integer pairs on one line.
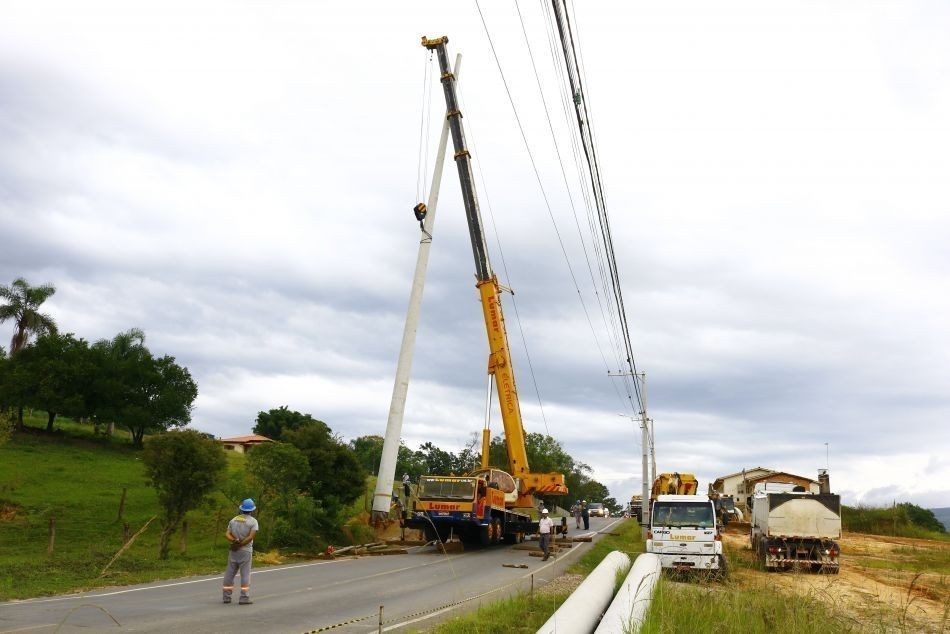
{"points": [[545, 530]]}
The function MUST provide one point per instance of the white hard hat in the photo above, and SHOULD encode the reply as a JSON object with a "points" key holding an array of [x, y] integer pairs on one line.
{"points": [[544, 510]]}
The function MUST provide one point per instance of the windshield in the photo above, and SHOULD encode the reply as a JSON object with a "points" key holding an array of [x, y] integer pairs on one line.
{"points": [[683, 514], [446, 488]]}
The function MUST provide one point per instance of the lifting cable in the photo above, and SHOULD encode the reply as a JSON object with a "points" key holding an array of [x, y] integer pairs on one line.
{"points": [[425, 117]]}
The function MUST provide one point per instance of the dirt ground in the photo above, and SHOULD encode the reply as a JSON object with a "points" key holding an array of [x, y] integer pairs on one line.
{"points": [[885, 583]]}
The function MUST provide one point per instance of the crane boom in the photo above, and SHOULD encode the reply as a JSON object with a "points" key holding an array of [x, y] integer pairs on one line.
{"points": [[499, 360]]}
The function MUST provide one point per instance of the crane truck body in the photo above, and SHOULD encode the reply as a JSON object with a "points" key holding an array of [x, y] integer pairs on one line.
{"points": [[454, 504]]}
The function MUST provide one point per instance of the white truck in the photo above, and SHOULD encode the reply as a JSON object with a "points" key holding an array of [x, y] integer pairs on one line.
{"points": [[793, 528], [684, 534]]}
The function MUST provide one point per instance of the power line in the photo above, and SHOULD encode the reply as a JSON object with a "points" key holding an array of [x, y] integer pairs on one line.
{"points": [[574, 72], [534, 165]]}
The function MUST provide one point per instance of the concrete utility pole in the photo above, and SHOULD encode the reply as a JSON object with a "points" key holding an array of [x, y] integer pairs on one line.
{"points": [[387, 463], [644, 422]]}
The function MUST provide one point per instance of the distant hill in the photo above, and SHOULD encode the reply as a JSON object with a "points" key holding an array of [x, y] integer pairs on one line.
{"points": [[943, 516]]}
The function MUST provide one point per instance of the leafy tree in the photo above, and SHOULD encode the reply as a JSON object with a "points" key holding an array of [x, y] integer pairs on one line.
{"points": [[114, 360], [280, 470], [275, 422], [140, 392], [435, 461], [469, 458], [58, 369], [335, 477], [369, 451], [22, 303], [184, 467], [612, 505], [922, 517]]}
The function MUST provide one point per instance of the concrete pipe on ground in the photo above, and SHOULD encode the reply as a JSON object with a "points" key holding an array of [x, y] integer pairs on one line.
{"points": [[629, 607], [581, 611]]}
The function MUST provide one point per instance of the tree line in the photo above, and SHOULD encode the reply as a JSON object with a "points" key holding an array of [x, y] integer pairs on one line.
{"points": [[109, 382]]}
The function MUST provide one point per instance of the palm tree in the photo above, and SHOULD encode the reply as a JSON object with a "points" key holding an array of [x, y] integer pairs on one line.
{"points": [[121, 348], [22, 303]]}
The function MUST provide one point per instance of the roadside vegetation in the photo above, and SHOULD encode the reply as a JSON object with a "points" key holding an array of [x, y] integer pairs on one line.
{"points": [[899, 520], [729, 607], [527, 611]]}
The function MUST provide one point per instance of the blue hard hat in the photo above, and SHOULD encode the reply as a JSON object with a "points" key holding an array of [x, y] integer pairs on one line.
{"points": [[248, 505]]}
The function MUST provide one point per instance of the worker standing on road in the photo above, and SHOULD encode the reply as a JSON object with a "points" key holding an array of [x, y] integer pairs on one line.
{"points": [[585, 515], [545, 530], [406, 488], [576, 512], [241, 532]]}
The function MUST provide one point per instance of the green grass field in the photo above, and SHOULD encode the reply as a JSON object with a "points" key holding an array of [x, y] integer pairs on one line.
{"points": [[76, 479], [78, 483]]}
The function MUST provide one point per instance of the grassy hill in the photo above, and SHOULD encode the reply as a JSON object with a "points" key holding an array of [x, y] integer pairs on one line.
{"points": [[75, 485], [74, 481]]}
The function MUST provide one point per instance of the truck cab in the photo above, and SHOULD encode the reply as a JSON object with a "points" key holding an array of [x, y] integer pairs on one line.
{"points": [[685, 535]]}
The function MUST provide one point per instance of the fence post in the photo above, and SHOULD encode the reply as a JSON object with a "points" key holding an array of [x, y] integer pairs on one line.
{"points": [[122, 503], [217, 522], [52, 535], [125, 533], [184, 536], [380, 619]]}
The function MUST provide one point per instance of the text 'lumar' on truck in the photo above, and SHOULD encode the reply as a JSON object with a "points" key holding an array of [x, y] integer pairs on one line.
{"points": [[684, 534], [488, 505], [794, 528]]}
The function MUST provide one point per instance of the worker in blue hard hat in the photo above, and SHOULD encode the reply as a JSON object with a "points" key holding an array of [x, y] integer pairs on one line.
{"points": [[241, 532]]}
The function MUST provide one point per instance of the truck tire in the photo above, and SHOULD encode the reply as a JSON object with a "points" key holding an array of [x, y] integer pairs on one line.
{"points": [[495, 530], [723, 572], [484, 535], [760, 552]]}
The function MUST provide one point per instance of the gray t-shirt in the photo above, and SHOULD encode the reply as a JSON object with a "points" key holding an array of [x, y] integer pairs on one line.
{"points": [[242, 526]]}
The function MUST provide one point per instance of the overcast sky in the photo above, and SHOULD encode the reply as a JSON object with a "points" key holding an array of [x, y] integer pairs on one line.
{"points": [[237, 178]]}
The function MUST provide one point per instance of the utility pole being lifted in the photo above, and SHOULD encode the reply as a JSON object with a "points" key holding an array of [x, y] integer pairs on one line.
{"points": [[382, 499]]}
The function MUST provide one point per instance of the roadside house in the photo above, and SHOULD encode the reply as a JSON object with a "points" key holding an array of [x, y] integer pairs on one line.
{"points": [[243, 444], [741, 485]]}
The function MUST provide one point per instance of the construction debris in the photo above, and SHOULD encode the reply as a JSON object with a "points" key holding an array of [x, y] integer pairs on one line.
{"points": [[514, 565]]}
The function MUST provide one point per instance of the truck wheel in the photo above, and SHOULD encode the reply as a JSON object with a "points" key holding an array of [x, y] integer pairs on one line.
{"points": [[723, 567], [484, 537], [495, 530]]}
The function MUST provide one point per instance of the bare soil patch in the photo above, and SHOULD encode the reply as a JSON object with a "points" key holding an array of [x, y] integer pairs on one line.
{"points": [[884, 581]]}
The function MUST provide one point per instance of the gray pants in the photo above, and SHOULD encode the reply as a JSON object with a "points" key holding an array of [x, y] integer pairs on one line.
{"points": [[545, 539], [238, 560]]}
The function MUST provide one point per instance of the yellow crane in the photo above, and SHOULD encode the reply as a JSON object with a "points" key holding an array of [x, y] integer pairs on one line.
{"points": [[483, 504]]}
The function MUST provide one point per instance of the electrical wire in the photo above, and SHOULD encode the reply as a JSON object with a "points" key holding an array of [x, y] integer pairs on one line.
{"points": [[533, 162], [574, 72]]}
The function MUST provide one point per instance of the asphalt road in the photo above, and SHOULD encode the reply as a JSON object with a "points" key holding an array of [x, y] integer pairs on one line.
{"points": [[414, 590]]}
